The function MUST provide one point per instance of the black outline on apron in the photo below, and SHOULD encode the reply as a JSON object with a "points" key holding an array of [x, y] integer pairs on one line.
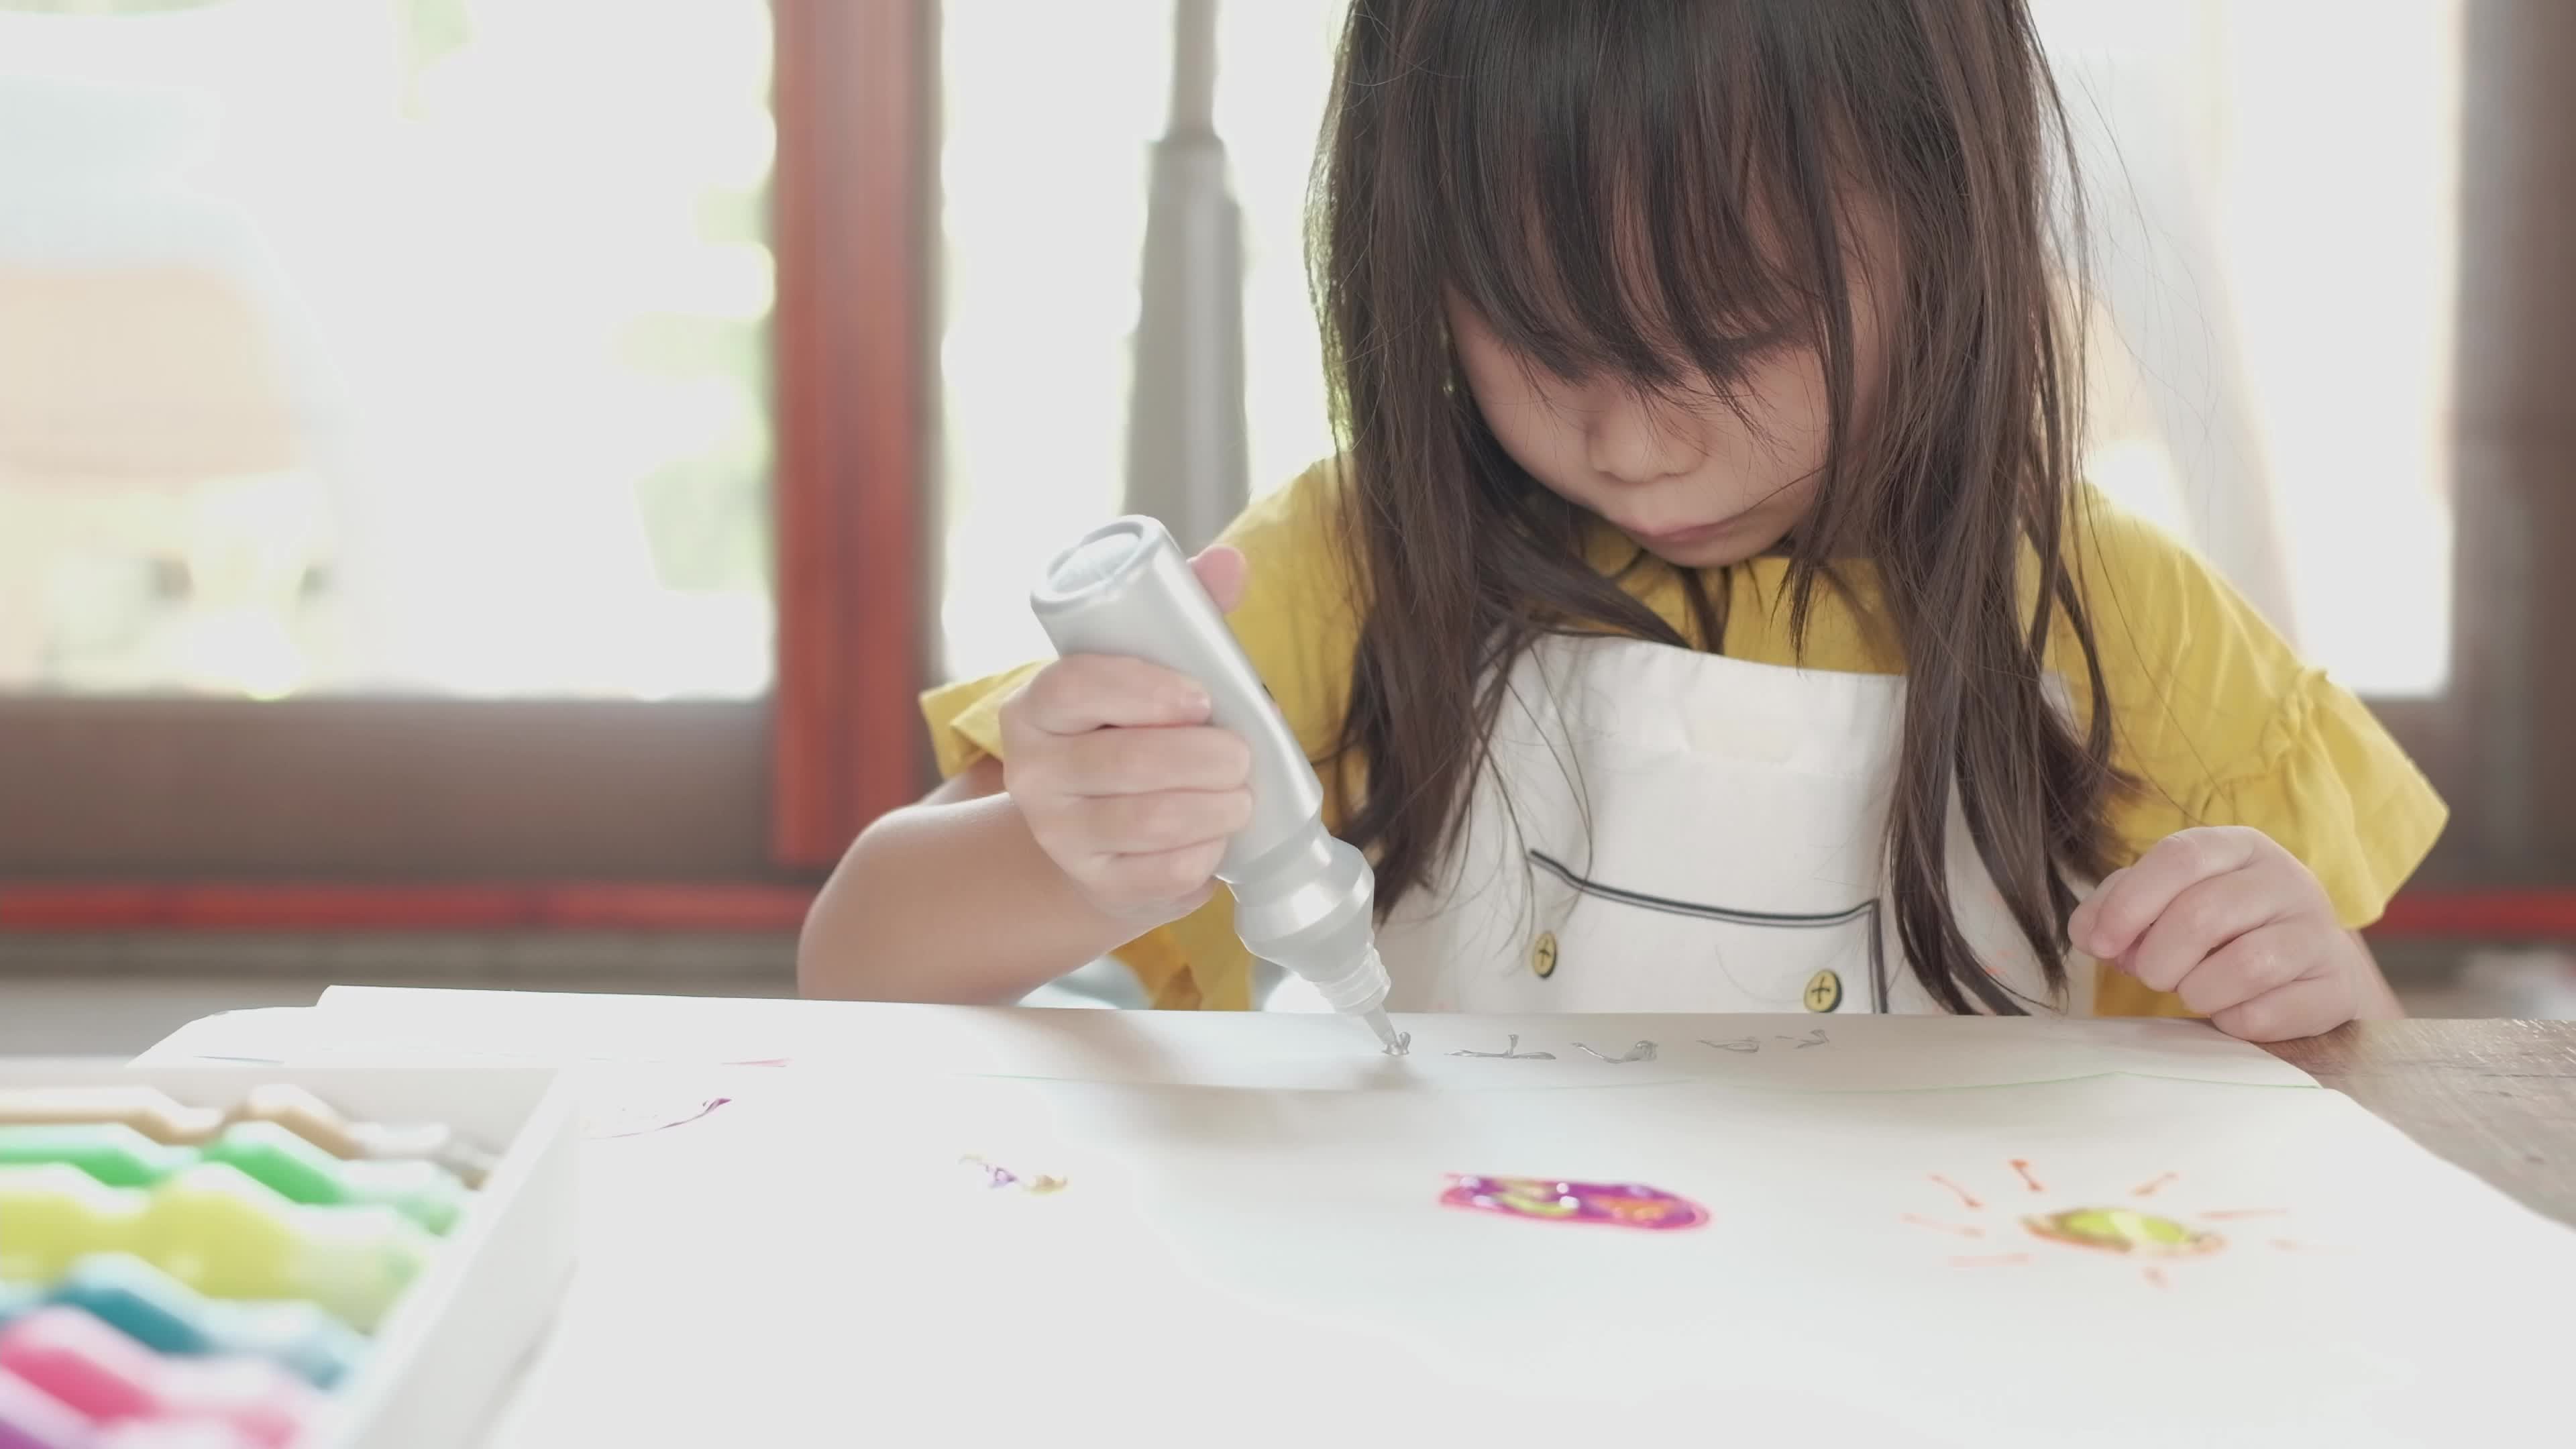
{"points": [[1996, 996]]}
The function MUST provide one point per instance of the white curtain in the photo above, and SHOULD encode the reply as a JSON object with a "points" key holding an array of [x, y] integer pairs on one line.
{"points": [[2274, 196]]}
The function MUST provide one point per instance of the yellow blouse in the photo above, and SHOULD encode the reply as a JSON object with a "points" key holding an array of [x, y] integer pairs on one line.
{"points": [[2220, 722]]}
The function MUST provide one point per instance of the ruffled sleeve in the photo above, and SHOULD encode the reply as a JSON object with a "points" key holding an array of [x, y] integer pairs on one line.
{"points": [[2217, 721], [2328, 783], [966, 717]]}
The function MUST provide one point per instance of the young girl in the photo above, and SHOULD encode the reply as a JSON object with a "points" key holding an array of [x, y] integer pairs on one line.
{"points": [[1705, 613]]}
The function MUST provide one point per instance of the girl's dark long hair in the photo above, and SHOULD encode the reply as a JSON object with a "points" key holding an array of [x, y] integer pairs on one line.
{"points": [[1657, 189]]}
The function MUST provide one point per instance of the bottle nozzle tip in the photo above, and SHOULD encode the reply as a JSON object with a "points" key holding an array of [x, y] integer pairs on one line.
{"points": [[1396, 1043]]}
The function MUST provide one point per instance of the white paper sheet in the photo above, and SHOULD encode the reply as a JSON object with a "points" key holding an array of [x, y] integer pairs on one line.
{"points": [[1279, 1263], [1802, 1053], [1251, 1248]]}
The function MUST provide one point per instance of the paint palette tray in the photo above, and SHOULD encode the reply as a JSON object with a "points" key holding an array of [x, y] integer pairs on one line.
{"points": [[275, 1257]]}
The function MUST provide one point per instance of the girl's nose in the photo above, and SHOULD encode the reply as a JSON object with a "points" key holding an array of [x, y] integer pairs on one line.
{"points": [[1636, 440]]}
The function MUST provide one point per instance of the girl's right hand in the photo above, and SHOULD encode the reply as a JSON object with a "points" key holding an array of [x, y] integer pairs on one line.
{"points": [[1122, 780]]}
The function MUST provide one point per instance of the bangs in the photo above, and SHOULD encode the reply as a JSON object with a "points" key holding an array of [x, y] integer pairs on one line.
{"points": [[1602, 208]]}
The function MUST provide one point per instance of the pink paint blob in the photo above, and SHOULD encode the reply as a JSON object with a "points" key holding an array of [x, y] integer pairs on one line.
{"points": [[1618, 1205]]}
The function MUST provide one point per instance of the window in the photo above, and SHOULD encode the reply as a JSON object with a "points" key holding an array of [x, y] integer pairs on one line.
{"points": [[455, 446], [350, 348]]}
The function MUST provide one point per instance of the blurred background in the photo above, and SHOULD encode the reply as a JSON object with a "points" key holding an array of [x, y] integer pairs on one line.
{"points": [[481, 481]]}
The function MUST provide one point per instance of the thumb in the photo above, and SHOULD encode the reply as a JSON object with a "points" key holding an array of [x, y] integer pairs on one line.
{"points": [[1223, 573]]}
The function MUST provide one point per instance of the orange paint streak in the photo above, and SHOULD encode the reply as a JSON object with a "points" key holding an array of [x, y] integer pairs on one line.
{"points": [[1945, 1227], [2149, 1189], [1961, 1191], [2286, 1246], [2223, 1214], [2001, 1260], [2022, 1166]]}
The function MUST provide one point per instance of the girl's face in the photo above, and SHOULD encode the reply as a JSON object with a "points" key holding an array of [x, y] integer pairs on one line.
{"points": [[1694, 479]]}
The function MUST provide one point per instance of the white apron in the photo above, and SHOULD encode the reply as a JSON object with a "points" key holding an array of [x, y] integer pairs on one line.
{"points": [[1668, 831]]}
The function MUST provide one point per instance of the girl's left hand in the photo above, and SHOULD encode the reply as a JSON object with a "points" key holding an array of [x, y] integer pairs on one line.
{"points": [[2239, 929]]}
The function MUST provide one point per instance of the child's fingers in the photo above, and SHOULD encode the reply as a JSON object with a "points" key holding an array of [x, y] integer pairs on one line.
{"points": [[2129, 901], [2304, 1007], [1171, 883], [1168, 820], [2200, 921], [2079, 925], [1140, 762], [1223, 572], [2261, 960], [1096, 691]]}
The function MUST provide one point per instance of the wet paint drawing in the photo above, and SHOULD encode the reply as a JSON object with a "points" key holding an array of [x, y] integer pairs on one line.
{"points": [[1511, 1052], [1749, 1045], [2151, 1238], [996, 1177], [1623, 1205], [1643, 1051], [2124, 1230], [639, 1119]]}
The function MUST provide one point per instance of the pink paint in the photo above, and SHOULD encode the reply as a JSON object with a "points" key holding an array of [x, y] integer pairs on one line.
{"points": [[1621, 1205], [30, 1418], [96, 1371], [174, 1434], [109, 1379]]}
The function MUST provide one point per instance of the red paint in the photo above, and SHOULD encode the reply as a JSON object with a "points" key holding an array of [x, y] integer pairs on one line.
{"points": [[2223, 1214], [749, 908], [2000, 1260], [1964, 1232], [2149, 1189], [2157, 1277], [2022, 1166], [1961, 1191]]}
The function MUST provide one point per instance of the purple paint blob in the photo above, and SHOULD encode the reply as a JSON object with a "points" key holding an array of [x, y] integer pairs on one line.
{"points": [[994, 1175], [1618, 1205]]}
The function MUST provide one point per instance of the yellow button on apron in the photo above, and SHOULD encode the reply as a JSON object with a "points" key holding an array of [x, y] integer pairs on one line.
{"points": [[1824, 991], [1543, 955]]}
